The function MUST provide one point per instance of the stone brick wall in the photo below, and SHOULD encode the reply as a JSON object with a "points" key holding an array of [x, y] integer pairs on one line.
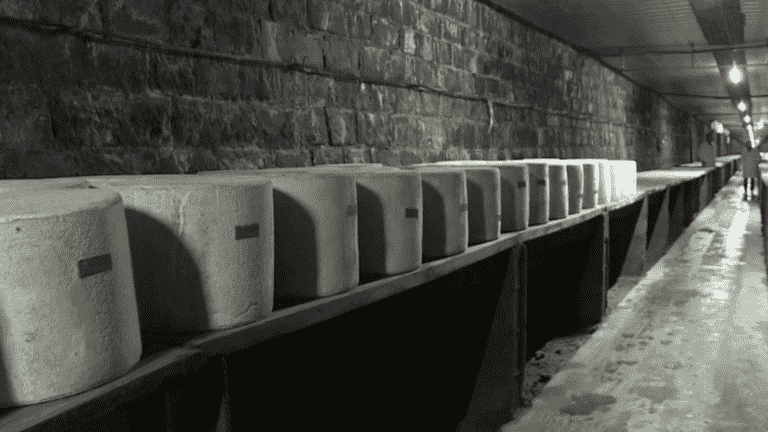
{"points": [[148, 86]]}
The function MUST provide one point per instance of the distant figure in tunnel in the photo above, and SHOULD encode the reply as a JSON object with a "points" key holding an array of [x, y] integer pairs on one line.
{"points": [[750, 158], [707, 151]]}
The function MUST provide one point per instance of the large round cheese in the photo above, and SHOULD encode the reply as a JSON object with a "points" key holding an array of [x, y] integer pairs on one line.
{"points": [[483, 199], [514, 191], [203, 250], [445, 223], [626, 177], [539, 207], [67, 300], [316, 252], [558, 190], [575, 172], [604, 180]]}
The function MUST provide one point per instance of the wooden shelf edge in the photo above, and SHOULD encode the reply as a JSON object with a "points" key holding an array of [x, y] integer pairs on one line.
{"points": [[142, 379]]}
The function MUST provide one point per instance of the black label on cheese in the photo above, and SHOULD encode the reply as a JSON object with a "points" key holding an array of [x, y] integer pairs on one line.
{"points": [[95, 265], [521, 184], [246, 231], [541, 182], [411, 213]]}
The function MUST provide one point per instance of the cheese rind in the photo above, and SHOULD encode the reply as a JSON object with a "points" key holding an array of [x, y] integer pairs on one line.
{"points": [[539, 192], [67, 299], [316, 231], [203, 250], [515, 191], [445, 223]]}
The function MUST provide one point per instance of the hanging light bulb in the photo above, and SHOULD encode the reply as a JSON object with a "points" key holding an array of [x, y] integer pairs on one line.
{"points": [[747, 120], [735, 74], [742, 106]]}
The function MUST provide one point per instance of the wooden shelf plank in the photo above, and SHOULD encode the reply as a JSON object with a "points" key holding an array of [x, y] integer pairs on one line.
{"points": [[66, 413]]}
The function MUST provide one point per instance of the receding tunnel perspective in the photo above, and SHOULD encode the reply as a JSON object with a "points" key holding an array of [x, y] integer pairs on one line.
{"points": [[395, 215]]}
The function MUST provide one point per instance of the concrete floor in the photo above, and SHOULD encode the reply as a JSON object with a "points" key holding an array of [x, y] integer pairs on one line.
{"points": [[686, 348]]}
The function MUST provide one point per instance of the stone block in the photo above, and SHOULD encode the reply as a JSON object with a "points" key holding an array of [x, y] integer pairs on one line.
{"points": [[168, 73], [292, 158], [139, 19], [248, 158], [290, 12], [409, 41], [230, 32], [343, 126], [25, 122], [275, 41], [311, 127], [411, 14], [361, 26], [385, 33], [395, 70], [407, 101], [327, 16], [218, 80], [427, 73], [78, 14], [30, 57], [374, 63], [356, 155], [425, 46], [407, 132], [387, 157], [427, 22], [327, 155], [443, 52], [429, 104], [452, 32], [375, 129], [308, 49], [376, 98], [434, 135], [341, 55]]}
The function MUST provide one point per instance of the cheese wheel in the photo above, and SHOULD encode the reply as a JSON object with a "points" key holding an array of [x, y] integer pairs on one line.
{"points": [[389, 216], [626, 174], [515, 211], [445, 221], [558, 190], [483, 199], [591, 184], [604, 180], [316, 232], [539, 207], [202, 250], [70, 319], [575, 172]]}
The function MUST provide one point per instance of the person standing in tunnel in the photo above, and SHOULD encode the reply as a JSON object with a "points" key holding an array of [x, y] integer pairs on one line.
{"points": [[707, 151], [750, 158]]}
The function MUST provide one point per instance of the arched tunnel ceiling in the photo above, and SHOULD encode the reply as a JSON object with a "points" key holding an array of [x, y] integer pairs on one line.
{"points": [[637, 28]]}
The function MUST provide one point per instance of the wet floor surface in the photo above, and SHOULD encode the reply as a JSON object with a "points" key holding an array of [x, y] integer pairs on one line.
{"points": [[686, 349]]}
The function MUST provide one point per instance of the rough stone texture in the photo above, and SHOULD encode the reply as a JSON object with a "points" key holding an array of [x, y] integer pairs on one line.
{"points": [[62, 94]]}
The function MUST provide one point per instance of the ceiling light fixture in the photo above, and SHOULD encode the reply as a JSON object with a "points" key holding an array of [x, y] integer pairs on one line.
{"points": [[747, 119], [735, 74], [742, 106]]}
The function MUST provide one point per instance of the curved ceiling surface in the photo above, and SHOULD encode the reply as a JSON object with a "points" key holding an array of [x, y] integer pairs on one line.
{"points": [[630, 34]]}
